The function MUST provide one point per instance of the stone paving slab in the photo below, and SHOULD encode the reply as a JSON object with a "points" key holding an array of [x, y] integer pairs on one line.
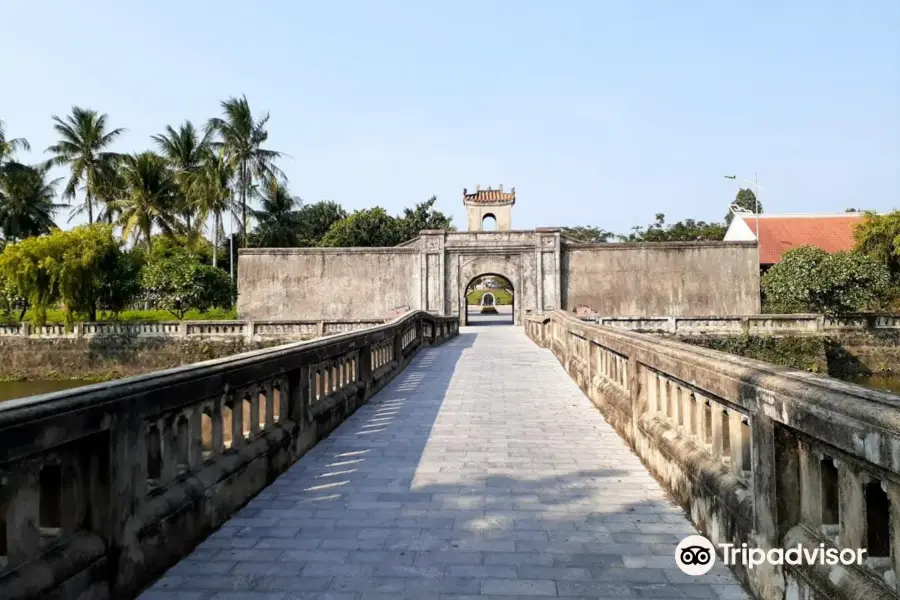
{"points": [[481, 471]]}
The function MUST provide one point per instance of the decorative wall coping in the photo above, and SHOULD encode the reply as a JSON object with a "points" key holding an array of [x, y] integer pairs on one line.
{"points": [[180, 330], [756, 453], [763, 324], [103, 487]]}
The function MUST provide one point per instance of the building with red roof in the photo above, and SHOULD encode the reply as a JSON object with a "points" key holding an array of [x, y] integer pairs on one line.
{"points": [[778, 233]]}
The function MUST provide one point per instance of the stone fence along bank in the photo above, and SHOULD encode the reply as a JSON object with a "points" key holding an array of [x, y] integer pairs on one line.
{"points": [[758, 454], [791, 324], [249, 330], [103, 487]]}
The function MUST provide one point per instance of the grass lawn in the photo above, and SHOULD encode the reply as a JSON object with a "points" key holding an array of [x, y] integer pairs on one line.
{"points": [[502, 297], [216, 314]]}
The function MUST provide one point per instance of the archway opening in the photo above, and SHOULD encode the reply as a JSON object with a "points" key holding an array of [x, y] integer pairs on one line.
{"points": [[490, 300], [489, 222]]}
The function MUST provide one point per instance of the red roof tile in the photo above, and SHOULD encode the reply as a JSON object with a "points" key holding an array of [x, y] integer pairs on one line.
{"points": [[489, 196], [778, 234]]}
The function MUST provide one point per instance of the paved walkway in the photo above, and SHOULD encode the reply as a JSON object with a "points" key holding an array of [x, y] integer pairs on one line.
{"points": [[481, 471]]}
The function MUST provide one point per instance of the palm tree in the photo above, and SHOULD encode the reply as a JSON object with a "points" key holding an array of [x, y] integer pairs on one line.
{"points": [[82, 147], [210, 193], [185, 151], [148, 199], [27, 201], [278, 218], [8, 148], [242, 138]]}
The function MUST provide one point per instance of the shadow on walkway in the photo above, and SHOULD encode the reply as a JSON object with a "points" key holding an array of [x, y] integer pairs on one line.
{"points": [[480, 471]]}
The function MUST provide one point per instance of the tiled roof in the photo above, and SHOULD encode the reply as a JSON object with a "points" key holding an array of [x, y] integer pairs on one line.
{"points": [[489, 196], [832, 233]]}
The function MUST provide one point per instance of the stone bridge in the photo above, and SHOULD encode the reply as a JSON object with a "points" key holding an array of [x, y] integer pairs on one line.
{"points": [[451, 463]]}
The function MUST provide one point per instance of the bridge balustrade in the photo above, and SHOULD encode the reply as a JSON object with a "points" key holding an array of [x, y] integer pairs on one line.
{"points": [[758, 454], [104, 487]]}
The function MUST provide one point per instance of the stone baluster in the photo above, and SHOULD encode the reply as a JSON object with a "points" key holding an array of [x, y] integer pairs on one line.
{"points": [[736, 441], [254, 410], [23, 534], [270, 404], [852, 507]]}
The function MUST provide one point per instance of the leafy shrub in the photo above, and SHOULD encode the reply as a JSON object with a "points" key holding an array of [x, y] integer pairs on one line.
{"points": [[808, 279], [179, 283]]}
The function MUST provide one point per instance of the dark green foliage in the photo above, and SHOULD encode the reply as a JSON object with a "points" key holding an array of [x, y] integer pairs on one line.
{"points": [[121, 282], [878, 236], [371, 227], [805, 353], [420, 218], [278, 220], [314, 221], [27, 201], [808, 279], [688, 230], [589, 234], [747, 200]]}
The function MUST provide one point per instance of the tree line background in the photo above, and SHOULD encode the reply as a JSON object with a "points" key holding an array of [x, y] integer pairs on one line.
{"points": [[155, 240]]}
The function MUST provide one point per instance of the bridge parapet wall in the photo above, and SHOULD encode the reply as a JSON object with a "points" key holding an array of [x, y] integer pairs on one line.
{"points": [[103, 487], [758, 454]]}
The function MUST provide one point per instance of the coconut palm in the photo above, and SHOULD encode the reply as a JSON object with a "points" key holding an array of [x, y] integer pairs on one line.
{"points": [[209, 191], [9, 147], [242, 138], [82, 147], [27, 201], [148, 198], [277, 218], [185, 151]]}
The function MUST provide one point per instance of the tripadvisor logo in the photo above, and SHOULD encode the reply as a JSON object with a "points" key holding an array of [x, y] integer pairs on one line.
{"points": [[696, 555]]}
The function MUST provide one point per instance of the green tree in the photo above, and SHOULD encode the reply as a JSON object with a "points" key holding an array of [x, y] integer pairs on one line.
{"points": [[809, 279], [27, 200], [10, 146], [180, 283], [210, 192], [588, 234], [242, 137], [148, 197], [878, 236], [63, 266], [11, 302], [120, 284], [688, 230], [372, 227], [186, 151], [314, 221], [422, 217], [82, 147], [278, 217], [746, 200]]}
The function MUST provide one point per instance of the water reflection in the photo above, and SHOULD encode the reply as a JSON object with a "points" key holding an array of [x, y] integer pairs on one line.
{"points": [[882, 383], [10, 390]]}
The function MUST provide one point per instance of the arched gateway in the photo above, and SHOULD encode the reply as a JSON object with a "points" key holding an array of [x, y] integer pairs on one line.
{"points": [[546, 270]]}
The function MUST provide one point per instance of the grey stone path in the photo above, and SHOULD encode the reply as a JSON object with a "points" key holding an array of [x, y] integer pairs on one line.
{"points": [[481, 471]]}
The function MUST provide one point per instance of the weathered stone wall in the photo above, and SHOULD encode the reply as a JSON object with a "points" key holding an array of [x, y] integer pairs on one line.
{"points": [[661, 279], [327, 283], [547, 271]]}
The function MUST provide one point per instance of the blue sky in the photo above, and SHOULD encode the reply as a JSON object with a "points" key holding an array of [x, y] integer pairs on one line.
{"points": [[598, 112]]}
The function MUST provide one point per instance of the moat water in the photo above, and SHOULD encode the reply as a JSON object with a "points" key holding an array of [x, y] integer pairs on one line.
{"points": [[10, 390]]}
